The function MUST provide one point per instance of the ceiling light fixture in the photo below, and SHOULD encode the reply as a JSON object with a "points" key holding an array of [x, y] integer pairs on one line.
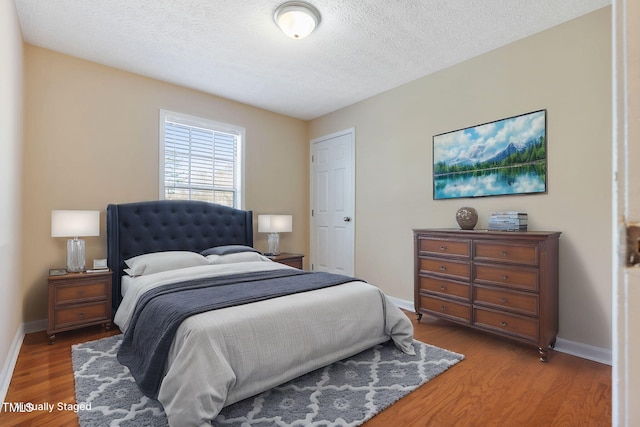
{"points": [[297, 19]]}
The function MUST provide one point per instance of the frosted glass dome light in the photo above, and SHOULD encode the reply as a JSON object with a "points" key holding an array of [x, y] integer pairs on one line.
{"points": [[296, 19]]}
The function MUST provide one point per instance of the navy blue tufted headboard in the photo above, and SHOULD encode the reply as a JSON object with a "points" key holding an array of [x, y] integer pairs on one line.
{"points": [[170, 225]]}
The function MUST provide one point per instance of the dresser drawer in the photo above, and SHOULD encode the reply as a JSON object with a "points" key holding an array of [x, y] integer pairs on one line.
{"points": [[512, 324], [523, 302], [446, 308], [506, 252], [83, 314], [431, 246], [445, 287], [517, 278], [65, 294], [454, 269]]}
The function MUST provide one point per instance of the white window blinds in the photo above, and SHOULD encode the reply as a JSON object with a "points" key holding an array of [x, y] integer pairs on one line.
{"points": [[200, 160]]}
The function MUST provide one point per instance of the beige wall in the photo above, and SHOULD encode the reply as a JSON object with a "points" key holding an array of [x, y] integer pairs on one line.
{"points": [[10, 149], [566, 70], [91, 138]]}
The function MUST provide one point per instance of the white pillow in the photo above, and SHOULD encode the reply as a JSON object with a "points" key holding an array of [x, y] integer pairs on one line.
{"points": [[236, 257], [163, 261]]}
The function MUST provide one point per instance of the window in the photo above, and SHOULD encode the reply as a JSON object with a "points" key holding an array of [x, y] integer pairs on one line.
{"points": [[200, 160]]}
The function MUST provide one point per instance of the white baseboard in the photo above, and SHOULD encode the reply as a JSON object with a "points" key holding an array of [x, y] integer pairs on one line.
{"points": [[12, 358], [10, 362], [584, 351]]}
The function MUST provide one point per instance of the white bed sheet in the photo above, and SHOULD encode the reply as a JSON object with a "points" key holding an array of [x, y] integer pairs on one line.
{"points": [[125, 282], [221, 357]]}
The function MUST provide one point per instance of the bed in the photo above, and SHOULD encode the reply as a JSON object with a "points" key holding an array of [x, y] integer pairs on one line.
{"points": [[219, 357]]}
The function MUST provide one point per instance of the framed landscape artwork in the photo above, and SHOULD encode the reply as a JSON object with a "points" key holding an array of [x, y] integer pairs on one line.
{"points": [[507, 156]]}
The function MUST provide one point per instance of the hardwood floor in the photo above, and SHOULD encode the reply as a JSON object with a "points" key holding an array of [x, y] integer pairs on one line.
{"points": [[499, 383]]}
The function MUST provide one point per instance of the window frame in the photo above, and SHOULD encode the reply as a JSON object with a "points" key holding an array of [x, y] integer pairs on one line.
{"points": [[215, 126]]}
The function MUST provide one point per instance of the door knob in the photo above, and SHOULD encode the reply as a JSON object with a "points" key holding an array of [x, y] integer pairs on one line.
{"points": [[346, 219]]}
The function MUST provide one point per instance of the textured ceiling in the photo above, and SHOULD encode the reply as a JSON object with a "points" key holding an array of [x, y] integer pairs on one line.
{"points": [[233, 49]]}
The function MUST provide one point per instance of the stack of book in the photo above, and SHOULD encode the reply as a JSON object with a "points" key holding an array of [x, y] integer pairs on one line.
{"points": [[508, 221]]}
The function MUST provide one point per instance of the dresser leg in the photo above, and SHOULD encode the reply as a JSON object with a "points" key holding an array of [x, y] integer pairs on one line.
{"points": [[419, 316], [52, 339], [544, 353]]}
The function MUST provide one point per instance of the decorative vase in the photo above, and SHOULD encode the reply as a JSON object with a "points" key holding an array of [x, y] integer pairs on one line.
{"points": [[467, 218]]}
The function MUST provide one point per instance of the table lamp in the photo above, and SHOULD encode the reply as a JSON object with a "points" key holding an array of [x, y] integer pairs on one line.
{"points": [[75, 224], [274, 225]]}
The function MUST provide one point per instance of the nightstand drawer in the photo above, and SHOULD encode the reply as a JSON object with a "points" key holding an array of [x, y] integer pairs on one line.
{"points": [[82, 314], [66, 294], [292, 260]]}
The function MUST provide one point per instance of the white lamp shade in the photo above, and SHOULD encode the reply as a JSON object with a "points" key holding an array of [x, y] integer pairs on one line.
{"points": [[275, 223], [75, 223]]}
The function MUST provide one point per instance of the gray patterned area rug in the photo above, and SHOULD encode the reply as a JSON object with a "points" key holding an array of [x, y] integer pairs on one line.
{"points": [[346, 393]]}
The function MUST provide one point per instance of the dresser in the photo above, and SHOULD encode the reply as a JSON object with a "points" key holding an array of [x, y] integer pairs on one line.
{"points": [[505, 283], [77, 300]]}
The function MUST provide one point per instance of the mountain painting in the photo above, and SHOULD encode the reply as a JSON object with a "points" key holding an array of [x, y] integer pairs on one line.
{"points": [[508, 156]]}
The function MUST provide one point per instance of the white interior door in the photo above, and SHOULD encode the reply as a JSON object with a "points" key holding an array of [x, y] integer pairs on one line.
{"points": [[626, 213], [333, 203]]}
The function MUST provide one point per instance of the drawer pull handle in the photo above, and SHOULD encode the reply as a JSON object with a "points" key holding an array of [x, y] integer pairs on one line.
{"points": [[503, 253], [503, 323], [443, 308], [81, 292], [443, 268], [503, 300], [443, 248], [505, 277], [443, 287], [81, 315]]}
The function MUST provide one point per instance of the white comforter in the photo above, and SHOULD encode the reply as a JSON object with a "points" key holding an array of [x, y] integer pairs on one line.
{"points": [[223, 356]]}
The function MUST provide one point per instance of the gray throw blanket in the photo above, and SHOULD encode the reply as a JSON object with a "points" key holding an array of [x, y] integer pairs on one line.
{"points": [[160, 311]]}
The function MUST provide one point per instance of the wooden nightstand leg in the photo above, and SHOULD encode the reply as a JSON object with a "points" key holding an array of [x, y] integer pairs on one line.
{"points": [[52, 339]]}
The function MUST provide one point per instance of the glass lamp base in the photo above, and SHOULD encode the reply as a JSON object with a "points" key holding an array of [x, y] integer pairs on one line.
{"points": [[75, 255], [274, 243]]}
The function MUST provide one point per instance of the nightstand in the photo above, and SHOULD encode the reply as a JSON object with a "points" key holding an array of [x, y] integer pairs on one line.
{"points": [[77, 300], [292, 260]]}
